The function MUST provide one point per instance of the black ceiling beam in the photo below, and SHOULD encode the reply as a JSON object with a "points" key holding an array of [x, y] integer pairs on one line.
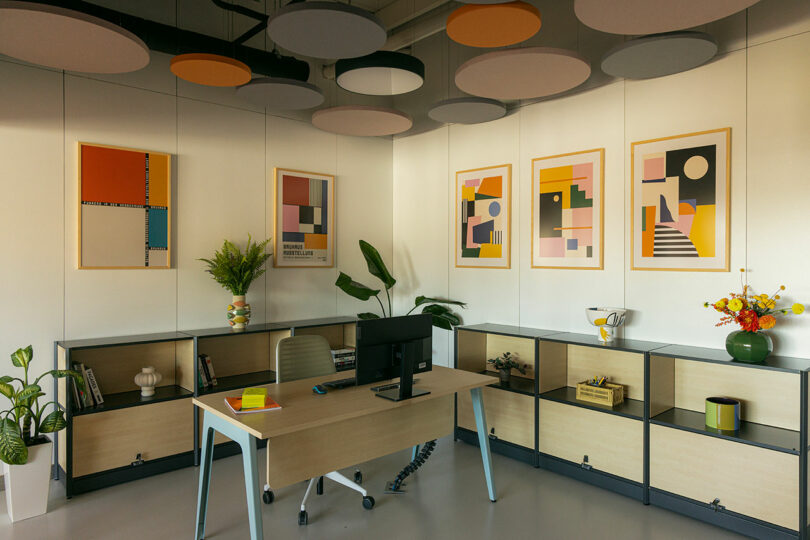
{"points": [[172, 40], [261, 17]]}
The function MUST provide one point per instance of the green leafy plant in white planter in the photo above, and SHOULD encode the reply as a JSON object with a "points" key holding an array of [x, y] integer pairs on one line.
{"points": [[24, 448]]}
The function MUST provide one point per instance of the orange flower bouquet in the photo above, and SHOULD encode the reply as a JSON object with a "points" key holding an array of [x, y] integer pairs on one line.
{"points": [[753, 312]]}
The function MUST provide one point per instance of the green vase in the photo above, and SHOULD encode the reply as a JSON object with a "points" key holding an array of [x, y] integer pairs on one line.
{"points": [[749, 347]]}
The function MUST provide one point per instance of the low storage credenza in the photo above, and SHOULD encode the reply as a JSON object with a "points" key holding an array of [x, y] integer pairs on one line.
{"points": [[129, 436], [654, 446]]}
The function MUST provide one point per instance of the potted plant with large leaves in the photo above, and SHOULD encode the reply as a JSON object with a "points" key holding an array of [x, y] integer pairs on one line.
{"points": [[24, 448], [235, 271], [443, 316]]}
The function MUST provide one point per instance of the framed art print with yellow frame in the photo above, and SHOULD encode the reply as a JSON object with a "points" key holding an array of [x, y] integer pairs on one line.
{"points": [[124, 214], [680, 202], [567, 210], [483, 217], [304, 224]]}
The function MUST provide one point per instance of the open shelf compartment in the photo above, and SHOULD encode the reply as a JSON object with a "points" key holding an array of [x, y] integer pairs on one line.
{"points": [[475, 347]]}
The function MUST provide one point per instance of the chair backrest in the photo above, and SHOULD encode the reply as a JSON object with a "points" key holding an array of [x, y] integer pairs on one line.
{"points": [[299, 357]]}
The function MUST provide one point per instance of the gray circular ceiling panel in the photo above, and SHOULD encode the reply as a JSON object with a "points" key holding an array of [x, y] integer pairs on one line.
{"points": [[276, 93], [659, 55], [467, 110]]}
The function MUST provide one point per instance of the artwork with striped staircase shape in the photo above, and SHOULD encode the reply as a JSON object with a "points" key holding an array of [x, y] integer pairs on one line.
{"points": [[680, 190], [483, 217]]}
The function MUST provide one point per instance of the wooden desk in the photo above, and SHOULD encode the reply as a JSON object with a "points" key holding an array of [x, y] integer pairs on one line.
{"points": [[315, 434]]}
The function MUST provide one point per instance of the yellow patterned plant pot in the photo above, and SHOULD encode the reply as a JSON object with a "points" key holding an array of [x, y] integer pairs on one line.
{"points": [[238, 313]]}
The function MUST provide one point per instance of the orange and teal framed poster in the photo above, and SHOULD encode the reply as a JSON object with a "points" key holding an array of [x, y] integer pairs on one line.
{"points": [[304, 230], [124, 208], [680, 202], [483, 217]]}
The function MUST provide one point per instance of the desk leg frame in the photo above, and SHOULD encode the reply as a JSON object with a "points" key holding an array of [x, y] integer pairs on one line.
{"points": [[248, 444], [483, 439]]}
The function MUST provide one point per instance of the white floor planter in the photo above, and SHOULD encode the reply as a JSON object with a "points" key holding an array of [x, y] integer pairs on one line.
{"points": [[27, 486]]}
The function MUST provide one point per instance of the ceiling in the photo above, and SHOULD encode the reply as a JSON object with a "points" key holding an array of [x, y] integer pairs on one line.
{"points": [[407, 21]]}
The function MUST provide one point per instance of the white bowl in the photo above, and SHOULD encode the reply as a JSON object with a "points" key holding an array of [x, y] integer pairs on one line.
{"points": [[606, 316]]}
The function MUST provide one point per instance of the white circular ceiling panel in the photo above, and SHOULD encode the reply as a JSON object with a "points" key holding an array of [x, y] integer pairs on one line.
{"points": [[276, 93], [362, 120], [636, 17], [327, 30], [467, 110], [659, 55], [382, 73], [62, 38], [522, 73]]}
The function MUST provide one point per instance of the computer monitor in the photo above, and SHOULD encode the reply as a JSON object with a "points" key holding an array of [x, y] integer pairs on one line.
{"points": [[394, 347]]}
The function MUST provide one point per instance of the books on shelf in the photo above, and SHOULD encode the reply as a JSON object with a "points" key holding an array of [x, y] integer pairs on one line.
{"points": [[344, 358], [92, 384], [235, 405], [91, 396], [205, 369]]}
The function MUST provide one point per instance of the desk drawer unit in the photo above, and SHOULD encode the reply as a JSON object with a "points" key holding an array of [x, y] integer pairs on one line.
{"points": [[510, 416], [109, 440], [749, 480], [614, 444]]}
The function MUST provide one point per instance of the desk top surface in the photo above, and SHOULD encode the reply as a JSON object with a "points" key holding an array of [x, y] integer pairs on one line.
{"points": [[302, 409]]}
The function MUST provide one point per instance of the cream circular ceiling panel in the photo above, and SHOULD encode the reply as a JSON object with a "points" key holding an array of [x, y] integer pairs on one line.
{"points": [[276, 93], [327, 30], [361, 120], [659, 55], [66, 39], [382, 73], [522, 73], [636, 17], [467, 110]]}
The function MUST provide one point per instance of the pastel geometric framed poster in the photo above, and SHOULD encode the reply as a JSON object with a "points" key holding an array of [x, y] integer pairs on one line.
{"points": [[483, 217], [124, 208], [680, 202], [567, 210], [304, 226]]}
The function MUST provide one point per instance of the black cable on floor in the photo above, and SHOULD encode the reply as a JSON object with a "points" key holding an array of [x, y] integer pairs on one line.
{"points": [[417, 462]]}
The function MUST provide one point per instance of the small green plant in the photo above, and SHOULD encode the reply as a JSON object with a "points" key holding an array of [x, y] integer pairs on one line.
{"points": [[443, 316], [507, 361], [23, 425], [236, 271]]}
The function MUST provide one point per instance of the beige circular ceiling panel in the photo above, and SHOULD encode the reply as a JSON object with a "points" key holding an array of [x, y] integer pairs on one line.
{"points": [[523, 73], [635, 17], [362, 120], [66, 39]]}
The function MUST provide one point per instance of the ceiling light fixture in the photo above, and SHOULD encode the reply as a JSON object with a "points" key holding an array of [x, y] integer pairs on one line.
{"points": [[362, 120], [498, 25], [636, 17], [66, 39], [382, 73], [326, 30], [210, 69], [659, 55], [467, 110], [522, 73]]}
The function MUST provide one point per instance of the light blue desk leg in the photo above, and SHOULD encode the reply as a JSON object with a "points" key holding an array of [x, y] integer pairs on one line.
{"points": [[483, 439], [250, 462], [414, 451]]}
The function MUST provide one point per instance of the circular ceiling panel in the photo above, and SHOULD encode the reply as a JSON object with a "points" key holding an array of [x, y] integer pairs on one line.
{"points": [[361, 120], [522, 73], [382, 73], [276, 93], [635, 17], [467, 110], [66, 39], [659, 55], [210, 69], [327, 30], [496, 25]]}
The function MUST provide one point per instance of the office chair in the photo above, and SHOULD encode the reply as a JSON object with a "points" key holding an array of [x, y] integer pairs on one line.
{"points": [[301, 357]]}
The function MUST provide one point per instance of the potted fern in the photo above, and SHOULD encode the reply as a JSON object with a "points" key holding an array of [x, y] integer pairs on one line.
{"points": [[505, 363], [235, 271], [24, 448]]}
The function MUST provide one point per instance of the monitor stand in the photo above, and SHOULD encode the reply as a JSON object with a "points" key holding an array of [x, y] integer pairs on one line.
{"points": [[406, 389], [395, 395]]}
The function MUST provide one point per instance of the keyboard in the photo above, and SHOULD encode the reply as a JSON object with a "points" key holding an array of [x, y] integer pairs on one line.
{"points": [[340, 383]]}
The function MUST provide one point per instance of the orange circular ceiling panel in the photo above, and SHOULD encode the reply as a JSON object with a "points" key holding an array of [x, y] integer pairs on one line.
{"points": [[210, 69], [493, 25]]}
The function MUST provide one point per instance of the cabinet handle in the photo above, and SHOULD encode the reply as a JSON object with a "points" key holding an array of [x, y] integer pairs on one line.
{"points": [[716, 506], [492, 435], [138, 460], [585, 465]]}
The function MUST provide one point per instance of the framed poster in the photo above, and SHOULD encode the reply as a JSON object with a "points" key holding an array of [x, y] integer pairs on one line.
{"points": [[483, 214], [304, 228], [567, 210], [680, 202], [124, 208]]}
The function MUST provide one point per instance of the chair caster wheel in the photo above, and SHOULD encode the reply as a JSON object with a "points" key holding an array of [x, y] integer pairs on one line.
{"points": [[358, 477], [368, 503], [319, 486], [268, 497], [302, 517]]}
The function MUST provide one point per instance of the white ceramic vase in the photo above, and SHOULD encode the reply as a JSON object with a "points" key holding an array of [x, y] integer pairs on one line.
{"points": [[28, 486], [147, 379]]}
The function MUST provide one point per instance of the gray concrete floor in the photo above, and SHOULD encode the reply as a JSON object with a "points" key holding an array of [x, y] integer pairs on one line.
{"points": [[445, 499]]}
